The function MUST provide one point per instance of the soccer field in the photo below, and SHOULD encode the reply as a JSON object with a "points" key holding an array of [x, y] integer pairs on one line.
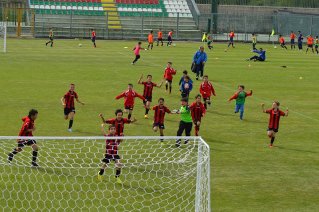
{"points": [[246, 175]]}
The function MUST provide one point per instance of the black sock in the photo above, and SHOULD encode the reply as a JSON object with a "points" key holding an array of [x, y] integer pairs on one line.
{"points": [[272, 140], [205, 105], [118, 173], [11, 154], [34, 156], [70, 123], [101, 172], [166, 86], [170, 89], [146, 111], [129, 116]]}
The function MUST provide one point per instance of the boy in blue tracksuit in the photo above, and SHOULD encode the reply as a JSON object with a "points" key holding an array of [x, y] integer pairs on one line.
{"points": [[260, 57], [186, 87], [185, 73]]}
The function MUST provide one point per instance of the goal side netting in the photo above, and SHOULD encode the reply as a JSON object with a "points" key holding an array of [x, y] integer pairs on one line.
{"points": [[155, 175], [3, 37]]}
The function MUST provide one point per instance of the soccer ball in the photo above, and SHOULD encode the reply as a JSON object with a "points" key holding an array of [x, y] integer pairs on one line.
{"points": [[186, 86], [174, 44], [80, 44], [275, 47]]}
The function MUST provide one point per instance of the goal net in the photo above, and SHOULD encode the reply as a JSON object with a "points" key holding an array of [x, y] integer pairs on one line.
{"points": [[3, 37], [155, 175]]}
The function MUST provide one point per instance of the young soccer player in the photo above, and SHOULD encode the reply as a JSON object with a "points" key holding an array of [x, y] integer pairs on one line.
{"points": [[129, 95], [150, 39], [118, 122], [282, 42], [274, 117], [27, 130], [185, 73], [168, 76], [148, 92], [198, 111], [68, 103], [240, 97], [51, 37], [111, 153], [186, 87], [292, 40], [137, 50], [317, 44], [93, 37], [170, 38], [261, 55], [231, 39], [254, 40], [159, 115], [160, 37], [310, 41], [209, 42], [186, 123], [206, 89], [300, 39]]}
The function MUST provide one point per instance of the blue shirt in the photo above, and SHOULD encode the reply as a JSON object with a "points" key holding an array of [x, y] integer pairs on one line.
{"points": [[190, 87], [199, 57], [182, 80], [300, 38], [262, 54]]}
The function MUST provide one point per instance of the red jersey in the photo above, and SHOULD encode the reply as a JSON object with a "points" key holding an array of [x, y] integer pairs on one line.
{"points": [[206, 89], [170, 33], [119, 124], [292, 36], [274, 117], [150, 38], [93, 34], [282, 40], [159, 34], [231, 34], [148, 89], [168, 74], [197, 110], [160, 113], [28, 124], [129, 97], [310, 40], [69, 99], [111, 147]]}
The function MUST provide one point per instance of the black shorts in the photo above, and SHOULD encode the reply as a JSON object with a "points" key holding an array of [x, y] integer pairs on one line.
{"points": [[67, 111], [271, 129], [51, 38], [206, 99], [310, 45], [292, 41], [160, 39], [147, 99], [24, 143], [169, 38], [159, 125], [129, 107], [170, 81], [108, 158], [93, 39]]}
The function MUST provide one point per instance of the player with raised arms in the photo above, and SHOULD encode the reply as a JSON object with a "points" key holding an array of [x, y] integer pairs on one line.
{"points": [[148, 92], [274, 116], [27, 130], [198, 111], [129, 95], [68, 102], [240, 97], [111, 153]]}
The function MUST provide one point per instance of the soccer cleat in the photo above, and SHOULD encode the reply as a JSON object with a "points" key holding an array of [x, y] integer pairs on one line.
{"points": [[145, 116], [46, 44], [196, 78], [186, 141], [161, 140], [34, 164], [70, 129], [99, 177], [119, 181], [178, 143]]}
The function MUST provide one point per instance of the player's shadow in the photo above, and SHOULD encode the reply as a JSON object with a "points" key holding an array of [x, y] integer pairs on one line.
{"points": [[296, 150]]}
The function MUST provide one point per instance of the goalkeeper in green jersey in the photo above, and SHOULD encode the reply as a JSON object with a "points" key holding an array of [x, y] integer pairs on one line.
{"points": [[51, 37], [186, 123]]}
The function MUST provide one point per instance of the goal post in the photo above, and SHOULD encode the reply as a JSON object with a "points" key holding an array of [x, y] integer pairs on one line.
{"points": [[155, 175], [3, 36]]}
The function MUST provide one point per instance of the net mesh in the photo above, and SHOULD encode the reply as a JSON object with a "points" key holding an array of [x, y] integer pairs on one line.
{"points": [[156, 176]]}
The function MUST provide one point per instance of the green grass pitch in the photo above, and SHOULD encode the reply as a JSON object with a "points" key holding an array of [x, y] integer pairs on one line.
{"points": [[246, 175]]}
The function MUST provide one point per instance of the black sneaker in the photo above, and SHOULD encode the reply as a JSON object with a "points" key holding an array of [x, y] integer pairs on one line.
{"points": [[34, 164], [186, 141]]}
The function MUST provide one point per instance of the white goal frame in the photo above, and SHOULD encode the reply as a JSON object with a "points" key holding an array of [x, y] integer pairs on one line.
{"points": [[201, 203], [3, 30]]}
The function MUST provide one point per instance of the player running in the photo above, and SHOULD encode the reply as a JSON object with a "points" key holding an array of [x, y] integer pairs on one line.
{"points": [[51, 37], [274, 117], [150, 39], [148, 92], [168, 76], [186, 123], [27, 130], [170, 38], [292, 40], [240, 97], [160, 37], [137, 50], [206, 89], [159, 115], [111, 153], [209, 42], [186, 87], [254, 40], [317, 44], [68, 102], [198, 111], [231, 39], [282, 42], [93, 37], [118, 122], [310, 41], [129, 95]]}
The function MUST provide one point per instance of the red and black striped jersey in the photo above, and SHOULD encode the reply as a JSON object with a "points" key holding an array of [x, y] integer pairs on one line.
{"points": [[69, 99], [119, 124], [159, 114], [28, 124], [197, 110], [111, 145], [274, 117], [148, 88]]}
